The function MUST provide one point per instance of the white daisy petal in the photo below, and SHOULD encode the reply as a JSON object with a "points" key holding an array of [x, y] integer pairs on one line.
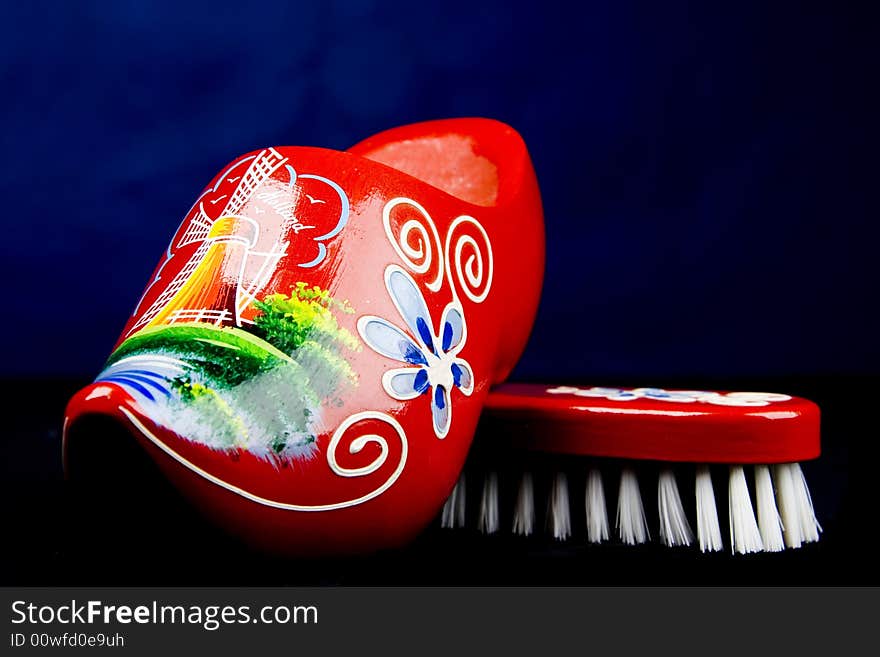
{"points": [[411, 305], [440, 410], [462, 375], [451, 329], [405, 383], [388, 340]]}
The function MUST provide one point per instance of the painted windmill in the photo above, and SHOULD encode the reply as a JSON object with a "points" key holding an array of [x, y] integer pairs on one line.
{"points": [[224, 274]]}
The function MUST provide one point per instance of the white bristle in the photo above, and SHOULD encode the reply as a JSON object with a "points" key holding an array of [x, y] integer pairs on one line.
{"points": [[488, 518], [632, 525], [708, 526], [795, 505], [674, 527], [597, 511], [788, 507], [768, 516], [524, 512], [810, 527], [559, 514], [454, 510], [744, 534]]}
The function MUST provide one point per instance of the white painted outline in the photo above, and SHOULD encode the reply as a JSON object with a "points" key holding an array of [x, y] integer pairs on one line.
{"points": [[466, 271], [390, 374], [356, 446], [344, 212], [262, 166], [469, 276], [438, 342], [443, 358], [402, 247]]}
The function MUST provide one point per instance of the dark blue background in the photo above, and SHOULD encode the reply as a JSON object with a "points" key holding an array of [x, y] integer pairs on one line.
{"points": [[705, 172]]}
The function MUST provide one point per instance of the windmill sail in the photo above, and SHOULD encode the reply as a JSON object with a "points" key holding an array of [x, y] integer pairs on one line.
{"points": [[224, 244]]}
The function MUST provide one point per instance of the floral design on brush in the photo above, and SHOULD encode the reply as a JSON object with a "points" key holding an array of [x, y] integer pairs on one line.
{"points": [[432, 363], [682, 396]]}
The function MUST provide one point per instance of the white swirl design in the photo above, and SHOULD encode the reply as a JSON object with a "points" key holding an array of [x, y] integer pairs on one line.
{"points": [[416, 244], [426, 245], [471, 274], [361, 441], [356, 446]]}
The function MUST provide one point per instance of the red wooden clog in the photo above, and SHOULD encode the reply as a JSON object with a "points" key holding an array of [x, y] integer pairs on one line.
{"points": [[309, 360]]}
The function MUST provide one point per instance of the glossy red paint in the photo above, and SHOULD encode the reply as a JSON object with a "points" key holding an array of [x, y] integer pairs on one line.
{"points": [[380, 466], [643, 426]]}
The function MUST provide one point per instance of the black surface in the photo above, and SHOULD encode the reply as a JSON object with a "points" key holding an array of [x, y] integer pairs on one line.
{"points": [[55, 534]]}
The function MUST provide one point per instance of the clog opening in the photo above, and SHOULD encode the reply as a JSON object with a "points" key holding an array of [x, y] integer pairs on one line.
{"points": [[475, 160]]}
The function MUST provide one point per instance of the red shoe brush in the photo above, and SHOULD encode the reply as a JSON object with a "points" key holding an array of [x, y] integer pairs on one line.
{"points": [[772, 432], [309, 360]]}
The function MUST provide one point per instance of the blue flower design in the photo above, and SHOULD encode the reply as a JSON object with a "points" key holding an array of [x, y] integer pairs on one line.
{"points": [[683, 396], [432, 363]]}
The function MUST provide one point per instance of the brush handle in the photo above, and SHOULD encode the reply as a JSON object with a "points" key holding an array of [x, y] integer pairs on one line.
{"points": [[654, 424]]}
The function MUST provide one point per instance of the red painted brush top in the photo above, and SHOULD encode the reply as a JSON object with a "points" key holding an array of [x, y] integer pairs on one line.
{"points": [[655, 424]]}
